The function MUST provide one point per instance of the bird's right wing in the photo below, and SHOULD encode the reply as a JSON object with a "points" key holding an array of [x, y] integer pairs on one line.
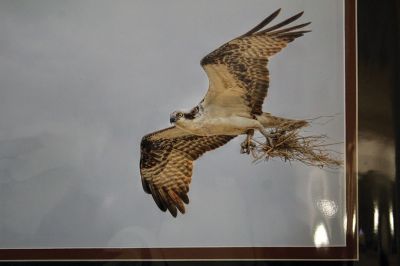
{"points": [[166, 164], [237, 71]]}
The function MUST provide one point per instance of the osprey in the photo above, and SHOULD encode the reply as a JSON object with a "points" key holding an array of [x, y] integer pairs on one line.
{"points": [[238, 83]]}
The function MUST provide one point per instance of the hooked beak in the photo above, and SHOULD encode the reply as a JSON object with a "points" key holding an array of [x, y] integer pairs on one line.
{"points": [[172, 119]]}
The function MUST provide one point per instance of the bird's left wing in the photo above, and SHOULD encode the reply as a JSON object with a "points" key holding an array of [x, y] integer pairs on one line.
{"points": [[166, 164], [237, 70]]}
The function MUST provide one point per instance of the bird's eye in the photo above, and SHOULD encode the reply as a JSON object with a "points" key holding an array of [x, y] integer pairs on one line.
{"points": [[180, 114]]}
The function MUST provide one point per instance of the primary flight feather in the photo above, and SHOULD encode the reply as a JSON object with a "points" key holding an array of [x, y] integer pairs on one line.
{"points": [[238, 84]]}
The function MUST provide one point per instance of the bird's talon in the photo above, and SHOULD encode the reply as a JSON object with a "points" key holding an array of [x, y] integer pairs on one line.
{"points": [[242, 150], [246, 146]]}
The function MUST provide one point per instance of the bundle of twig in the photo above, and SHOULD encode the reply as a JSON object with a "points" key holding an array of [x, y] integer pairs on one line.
{"points": [[287, 144]]}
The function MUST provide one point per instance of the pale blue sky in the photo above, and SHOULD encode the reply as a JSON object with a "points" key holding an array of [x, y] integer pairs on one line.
{"points": [[82, 81]]}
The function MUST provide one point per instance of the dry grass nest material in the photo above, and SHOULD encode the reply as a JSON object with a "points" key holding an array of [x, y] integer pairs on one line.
{"points": [[287, 144]]}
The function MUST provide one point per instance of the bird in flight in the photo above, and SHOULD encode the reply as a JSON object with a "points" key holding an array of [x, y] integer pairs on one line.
{"points": [[238, 84]]}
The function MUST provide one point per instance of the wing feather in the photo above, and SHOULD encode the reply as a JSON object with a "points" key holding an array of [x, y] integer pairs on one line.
{"points": [[238, 74], [166, 164], [263, 23], [283, 23]]}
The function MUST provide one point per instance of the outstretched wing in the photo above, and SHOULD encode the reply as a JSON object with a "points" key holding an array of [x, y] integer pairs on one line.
{"points": [[237, 70], [166, 164]]}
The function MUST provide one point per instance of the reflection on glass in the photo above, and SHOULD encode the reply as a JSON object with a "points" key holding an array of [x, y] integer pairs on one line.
{"points": [[354, 223], [391, 221], [328, 207], [321, 236], [376, 217]]}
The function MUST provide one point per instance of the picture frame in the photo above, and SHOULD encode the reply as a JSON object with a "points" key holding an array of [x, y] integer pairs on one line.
{"points": [[347, 252]]}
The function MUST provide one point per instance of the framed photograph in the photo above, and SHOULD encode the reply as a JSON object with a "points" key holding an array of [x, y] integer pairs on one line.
{"points": [[178, 130]]}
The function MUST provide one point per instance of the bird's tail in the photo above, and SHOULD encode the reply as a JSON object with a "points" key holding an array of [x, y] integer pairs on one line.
{"points": [[270, 121]]}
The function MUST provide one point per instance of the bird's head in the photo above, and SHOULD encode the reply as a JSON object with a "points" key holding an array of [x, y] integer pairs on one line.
{"points": [[176, 116], [179, 116]]}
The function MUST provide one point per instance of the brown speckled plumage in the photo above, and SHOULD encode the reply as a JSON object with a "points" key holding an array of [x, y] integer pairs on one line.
{"points": [[166, 164], [246, 57], [241, 66]]}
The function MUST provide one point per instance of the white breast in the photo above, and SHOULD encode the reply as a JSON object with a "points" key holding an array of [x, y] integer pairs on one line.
{"points": [[206, 125]]}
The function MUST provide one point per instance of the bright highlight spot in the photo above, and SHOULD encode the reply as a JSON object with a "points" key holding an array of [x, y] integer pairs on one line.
{"points": [[321, 236], [376, 217], [391, 221], [329, 208]]}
